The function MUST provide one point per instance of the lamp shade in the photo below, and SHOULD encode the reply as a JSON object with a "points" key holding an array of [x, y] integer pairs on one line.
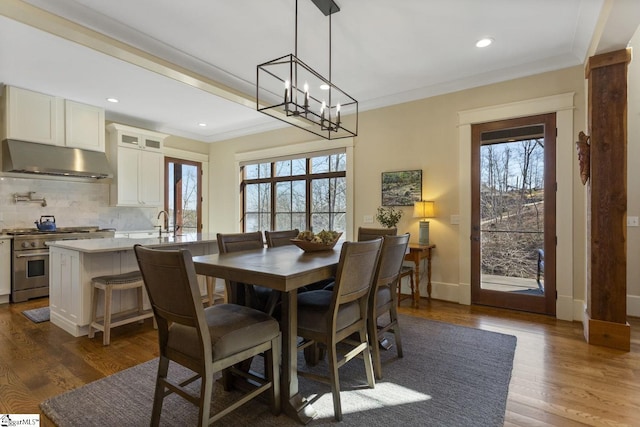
{"points": [[424, 209]]}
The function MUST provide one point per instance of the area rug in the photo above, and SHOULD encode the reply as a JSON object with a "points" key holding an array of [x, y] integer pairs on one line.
{"points": [[449, 376], [37, 315]]}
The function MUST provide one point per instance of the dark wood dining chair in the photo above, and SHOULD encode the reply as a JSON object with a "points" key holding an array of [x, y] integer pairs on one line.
{"points": [[366, 233], [254, 296], [383, 298], [330, 317], [408, 271], [204, 340], [280, 238]]}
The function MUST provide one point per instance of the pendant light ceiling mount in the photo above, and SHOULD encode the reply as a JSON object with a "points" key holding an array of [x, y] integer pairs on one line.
{"points": [[311, 101]]}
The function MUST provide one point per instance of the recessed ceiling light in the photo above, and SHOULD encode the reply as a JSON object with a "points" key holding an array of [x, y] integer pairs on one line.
{"points": [[484, 42], [204, 125], [324, 86], [114, 100]]}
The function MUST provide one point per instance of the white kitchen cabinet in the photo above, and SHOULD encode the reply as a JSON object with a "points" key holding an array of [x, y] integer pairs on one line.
{"points": [[5, 269], [84, 126], [46, 119], [138, 162], [70, 286], [32, 116]]}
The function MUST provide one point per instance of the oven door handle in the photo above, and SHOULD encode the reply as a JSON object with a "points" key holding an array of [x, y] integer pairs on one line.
{"points": [[31, 254]]}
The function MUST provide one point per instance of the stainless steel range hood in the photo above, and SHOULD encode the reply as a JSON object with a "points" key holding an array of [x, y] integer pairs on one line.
{"points": [[42, 159]]}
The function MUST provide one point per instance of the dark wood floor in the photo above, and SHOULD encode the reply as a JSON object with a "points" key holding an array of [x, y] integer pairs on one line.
{"points": [[557, 379]]}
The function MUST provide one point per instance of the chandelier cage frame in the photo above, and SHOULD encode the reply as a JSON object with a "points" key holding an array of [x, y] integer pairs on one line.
{"points": [[329, 113]]}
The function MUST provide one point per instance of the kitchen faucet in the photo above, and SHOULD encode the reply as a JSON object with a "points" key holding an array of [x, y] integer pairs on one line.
{"points": [[166, 222]]}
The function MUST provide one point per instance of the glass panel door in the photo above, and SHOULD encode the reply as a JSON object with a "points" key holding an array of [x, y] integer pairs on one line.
{"points": [[513, 214], [183, 195]]}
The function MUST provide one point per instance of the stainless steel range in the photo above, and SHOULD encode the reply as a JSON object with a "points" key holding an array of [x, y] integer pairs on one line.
{"points": [[30, 257]]}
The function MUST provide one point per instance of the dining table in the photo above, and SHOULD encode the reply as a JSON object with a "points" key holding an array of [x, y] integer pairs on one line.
{"points": [[285, 269]]}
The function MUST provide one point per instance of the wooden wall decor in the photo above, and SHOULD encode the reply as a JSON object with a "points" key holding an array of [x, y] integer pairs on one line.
{"points": [[584, 154], [606, 316]]}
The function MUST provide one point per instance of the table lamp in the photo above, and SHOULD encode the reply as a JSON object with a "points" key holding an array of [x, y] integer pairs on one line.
{"points": [[424, 209]]}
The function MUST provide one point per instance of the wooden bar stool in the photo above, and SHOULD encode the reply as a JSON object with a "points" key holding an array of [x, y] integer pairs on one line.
{"points": [[108, 284], [406, 271]]}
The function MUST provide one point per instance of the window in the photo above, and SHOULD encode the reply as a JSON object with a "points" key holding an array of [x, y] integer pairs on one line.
{"points": [[308, 193]]}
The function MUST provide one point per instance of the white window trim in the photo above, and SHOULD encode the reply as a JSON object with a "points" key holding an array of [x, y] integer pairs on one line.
{"points": [[302, 149]]}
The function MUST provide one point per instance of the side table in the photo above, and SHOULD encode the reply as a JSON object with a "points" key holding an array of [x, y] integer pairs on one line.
{"points": [[417, 253]]}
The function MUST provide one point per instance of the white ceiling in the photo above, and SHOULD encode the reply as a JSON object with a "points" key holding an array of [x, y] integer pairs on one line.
{"points": [[384, 52]]}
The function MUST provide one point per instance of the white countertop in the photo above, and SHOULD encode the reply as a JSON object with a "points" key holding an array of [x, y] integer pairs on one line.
{"points": [[120, 244]]}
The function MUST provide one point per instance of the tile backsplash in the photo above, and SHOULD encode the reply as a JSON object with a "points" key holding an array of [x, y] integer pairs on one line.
{"points": [[74, 204]]}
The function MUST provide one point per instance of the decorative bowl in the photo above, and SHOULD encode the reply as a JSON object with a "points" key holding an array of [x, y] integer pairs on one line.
{"points": [[309, 246]]}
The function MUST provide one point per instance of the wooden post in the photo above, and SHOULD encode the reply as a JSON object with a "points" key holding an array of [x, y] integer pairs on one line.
{"points": [[606, 322]]}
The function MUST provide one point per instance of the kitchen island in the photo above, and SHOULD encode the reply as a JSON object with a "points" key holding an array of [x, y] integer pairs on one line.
{"points": [[73, 263]]}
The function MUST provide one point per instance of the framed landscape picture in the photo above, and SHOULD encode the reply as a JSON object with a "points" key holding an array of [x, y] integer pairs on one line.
{"points": [[402, 188]]}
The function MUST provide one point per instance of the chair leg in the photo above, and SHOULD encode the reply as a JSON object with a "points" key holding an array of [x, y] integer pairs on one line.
{"points": [[94, 311], [312, 354], [334, 380], [366, 354], [413, 287], [210, 293], [272, 302], [158, 397], [396, 329], [373, 338], [106, 334], [206, 388]]}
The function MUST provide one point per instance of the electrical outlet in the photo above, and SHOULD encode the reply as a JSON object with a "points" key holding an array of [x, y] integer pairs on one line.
{"points": [[632, 221], [368, 219]]}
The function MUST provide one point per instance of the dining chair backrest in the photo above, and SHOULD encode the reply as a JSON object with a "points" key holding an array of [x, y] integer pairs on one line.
{"points": [[365, 233], [280, 238], [235, 242], [392, 255], [355, 274], [172, 286]]}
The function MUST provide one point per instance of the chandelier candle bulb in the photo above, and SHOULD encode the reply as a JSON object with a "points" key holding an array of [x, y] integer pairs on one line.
{"points": [[286, 91]]}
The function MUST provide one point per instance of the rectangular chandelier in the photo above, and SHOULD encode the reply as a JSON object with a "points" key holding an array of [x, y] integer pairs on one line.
{"points": [[291, 91]]}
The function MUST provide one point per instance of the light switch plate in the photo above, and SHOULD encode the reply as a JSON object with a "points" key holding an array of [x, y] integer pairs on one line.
{"points": [[368, 219], [632, 221], [455, 219]]}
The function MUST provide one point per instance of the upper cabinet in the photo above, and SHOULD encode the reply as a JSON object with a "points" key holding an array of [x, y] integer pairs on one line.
{"points": [[32, 116], [138, 163], [84, 126], [45, 119]]}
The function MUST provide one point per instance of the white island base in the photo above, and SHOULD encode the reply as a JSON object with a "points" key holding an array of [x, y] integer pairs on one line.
{"points": [[72, 265]]}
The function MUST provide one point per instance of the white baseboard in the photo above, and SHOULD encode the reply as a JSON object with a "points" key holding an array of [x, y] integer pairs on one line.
{"points": [[565, 308], [67, 325], [633, 305]]}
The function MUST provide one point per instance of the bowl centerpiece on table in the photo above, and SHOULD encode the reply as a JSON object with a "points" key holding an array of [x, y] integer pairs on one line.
{"points": [[310, 242]]}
